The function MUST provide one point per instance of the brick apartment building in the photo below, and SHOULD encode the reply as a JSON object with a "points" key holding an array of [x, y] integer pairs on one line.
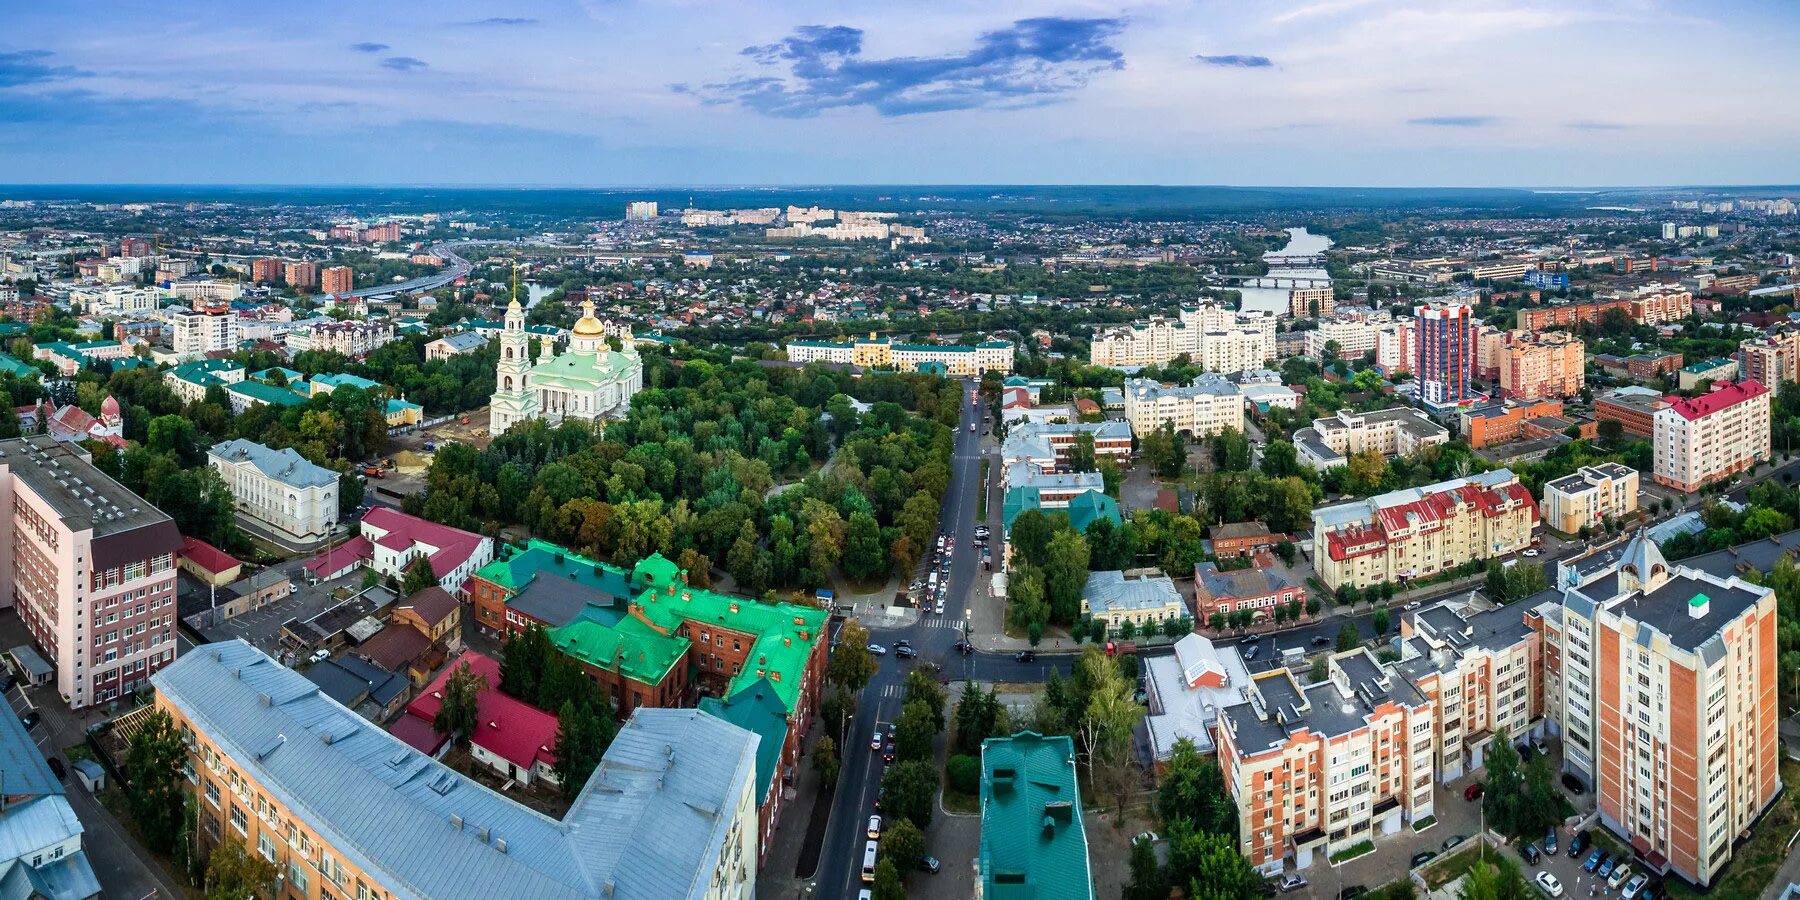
{"points": [[1490, 425], [1699, 440], [1634, 408], [90, 568], [1535, 366], [1771, 358], [337, 280], [1420, 532]]}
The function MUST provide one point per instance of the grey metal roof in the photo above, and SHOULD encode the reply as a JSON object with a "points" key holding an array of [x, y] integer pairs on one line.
{"points": [[36, 816], [465, 340], [284, 465], [83, 496], [422, 830], [556, 601], [1666, 608], [1112, 591]]}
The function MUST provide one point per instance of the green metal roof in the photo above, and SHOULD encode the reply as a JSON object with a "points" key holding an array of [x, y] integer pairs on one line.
{"points": [[13, 366], [785, 633], [1083, 508], [758, 709], [266, 393], [518, 570], [631, 647], [1032, 843]]}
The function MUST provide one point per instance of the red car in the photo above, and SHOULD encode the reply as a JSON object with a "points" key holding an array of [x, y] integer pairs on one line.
{"points": [[1472, 792]]}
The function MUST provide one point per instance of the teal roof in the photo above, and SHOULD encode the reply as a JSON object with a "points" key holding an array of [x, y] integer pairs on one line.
{"points": [[266, 393], [1083, 509], [12, 366], [756, 708], [582, 369], [1706, 365], [831, 344], [341, 379], [289, 375], [399, 406], [519, 569], [1032, 843]]}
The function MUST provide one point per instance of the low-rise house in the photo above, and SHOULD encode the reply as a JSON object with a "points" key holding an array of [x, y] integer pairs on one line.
{"points": [[1242, 539], [402, 648], [41, 852], [1257, 591], [373, 692], [513, 738], [455, 345], [389, 542], [435, 613], [1143, 597]]}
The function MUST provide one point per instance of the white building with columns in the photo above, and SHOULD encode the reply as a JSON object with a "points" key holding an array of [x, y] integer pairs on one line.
{"points": [[588, 382]]}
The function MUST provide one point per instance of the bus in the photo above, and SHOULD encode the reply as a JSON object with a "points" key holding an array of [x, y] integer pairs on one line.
{"points": [[868, 875]]}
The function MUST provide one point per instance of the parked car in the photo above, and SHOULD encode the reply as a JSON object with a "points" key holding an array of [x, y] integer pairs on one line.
{"points": [[1025, 656], [1472, 792], [1529, 853], [1532, 552], [56, 768], [1423, 857], [1250, 639], [1251, 653], [1549, 883], [874, 828], [875, 742], [887, 753], [319, 655], [1572, 784], [1619, 876], [1320, 640], [1635, 886], [1414, 605], [1146, 837], [1607, 864], [1550, 842], [1454, 839], [31, 719], [1578, 843], [877, 649], [1593, 860], [1291, 883], [930, 864]]}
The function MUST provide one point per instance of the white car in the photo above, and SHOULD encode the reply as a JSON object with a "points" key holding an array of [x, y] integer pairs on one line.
{"points": [[939, 609], [1549, 884], [1414, 605], [1291, 883], [320, 655], [874, 828], [1635, 886], [875, 744], [1532, 552], [877, 649], [1618, 876]]}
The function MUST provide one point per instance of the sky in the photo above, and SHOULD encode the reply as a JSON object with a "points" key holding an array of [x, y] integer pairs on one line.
{"points": [[727, 92]]}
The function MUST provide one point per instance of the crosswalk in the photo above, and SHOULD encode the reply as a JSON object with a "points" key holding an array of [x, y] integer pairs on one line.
{"points": [[893, 691], [932, 620]]}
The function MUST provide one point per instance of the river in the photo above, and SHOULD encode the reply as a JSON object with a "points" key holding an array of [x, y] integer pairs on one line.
{"points": [[1301, 243]]}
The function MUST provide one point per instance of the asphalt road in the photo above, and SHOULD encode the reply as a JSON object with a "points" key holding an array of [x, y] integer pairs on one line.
{"points": [[934, 636]]}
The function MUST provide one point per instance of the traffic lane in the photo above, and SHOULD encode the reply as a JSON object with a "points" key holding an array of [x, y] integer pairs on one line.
{"points": [[859, 782]]}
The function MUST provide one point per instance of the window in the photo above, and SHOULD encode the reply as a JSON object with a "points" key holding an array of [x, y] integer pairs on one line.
{"points": [[266, 846], [297, 876], [212, 793], [238, 820]]}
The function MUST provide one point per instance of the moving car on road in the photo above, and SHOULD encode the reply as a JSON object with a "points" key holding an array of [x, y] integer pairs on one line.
{"points": [[1025, 656], [877, 649]]}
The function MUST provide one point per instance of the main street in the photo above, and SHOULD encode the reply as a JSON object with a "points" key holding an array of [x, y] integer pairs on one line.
{"points": [[934, 636]]}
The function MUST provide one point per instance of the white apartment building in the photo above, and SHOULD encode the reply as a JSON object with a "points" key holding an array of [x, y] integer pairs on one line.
{"points": [[211, 328], [1702, 439], [189, 290], [278, 491], [1214, 337], [1395, 345], [1354, 337], [880, 353], [116, 300], [1589, 496], [1421, 532], [1401, 431], [353, 339], [90, 568], [1207, 407]]}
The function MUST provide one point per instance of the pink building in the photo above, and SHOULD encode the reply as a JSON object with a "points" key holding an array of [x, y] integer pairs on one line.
{"points": [[90, 568]]}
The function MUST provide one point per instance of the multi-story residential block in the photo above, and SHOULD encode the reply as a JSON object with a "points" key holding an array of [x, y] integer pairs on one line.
{"points": [[640, 210], [1700, 440], [1209, 406], [1445, 353], [118, 300], [1567, 315], [1350, 338], [1213, 337], [1079, 495], [337, 280], [351, 338], [266, 270], [202, 329], [1032, 839], [1400, 431], [189, 381], [309, 784], [1396, 347], [1534, 366], [1662, 306], [1048, 446], [1663, 687], [1548, 281], [1634, 408], [1589, 496], [1144, 597], [1503, 270], [1320, 768], [1771, 358], [1234, 539], [278, 491], [89, 567], [1420, 532], [880, 353], [300, 275], [1311, 302]]}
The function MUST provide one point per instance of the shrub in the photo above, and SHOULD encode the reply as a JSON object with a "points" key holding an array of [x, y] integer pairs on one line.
{"points": [[964, 773]]}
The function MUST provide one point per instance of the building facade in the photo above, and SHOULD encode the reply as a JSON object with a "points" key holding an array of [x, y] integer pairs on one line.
{"points": [[1445, 352], [89, 567], [1535, 366], [1210, 406], [337, 280], [879, 353], [1420, 532], [589, 383], [1699, 440], [1401, 431], [1771, 358], [205, 328], [1590, 496], [278, 490]]}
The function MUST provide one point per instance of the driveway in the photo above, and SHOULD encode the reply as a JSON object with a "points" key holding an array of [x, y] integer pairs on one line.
{"points": [[262, 627]]}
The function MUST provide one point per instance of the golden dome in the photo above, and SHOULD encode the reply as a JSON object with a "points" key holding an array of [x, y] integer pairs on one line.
{"points": [[588, 326]]}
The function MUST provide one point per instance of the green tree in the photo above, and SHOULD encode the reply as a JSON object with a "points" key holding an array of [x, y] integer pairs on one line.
{"points": [[826, 761], [1193, 788], [864, 556], [1380, 621], [1502, 799], [1158, 449], [1030, 536], [902, 844], [1348, 638], [1280, 460], [154, 773], [1498, 588], [234, 873], [1148, 881], [581, 739], [979, 716], [851, 664], [456, 714], [963, 772], [909, 791], [419, 576], [922, 687], [523, 659], [888, 885], [1081, 453], [1065, 575], [1209, 864], [914, 731]]}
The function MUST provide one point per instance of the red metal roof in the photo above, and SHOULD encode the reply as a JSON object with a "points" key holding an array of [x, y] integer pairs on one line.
{"points": [[206, 556], [454, 545], [509, 728], [1721, 397]]}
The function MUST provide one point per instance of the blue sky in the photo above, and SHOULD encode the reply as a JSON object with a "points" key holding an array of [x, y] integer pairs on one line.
{"points": [[615, 92]]}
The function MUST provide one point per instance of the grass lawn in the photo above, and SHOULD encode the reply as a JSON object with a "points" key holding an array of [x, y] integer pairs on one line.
{"points": [[958, 802], [1459, 862], [1753, 865]]}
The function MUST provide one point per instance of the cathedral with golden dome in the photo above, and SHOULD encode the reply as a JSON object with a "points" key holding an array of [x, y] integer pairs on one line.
{"points": [[589, 381]]}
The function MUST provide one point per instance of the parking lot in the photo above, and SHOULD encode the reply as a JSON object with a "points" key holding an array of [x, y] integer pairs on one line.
{"points": [[262, 627]]}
